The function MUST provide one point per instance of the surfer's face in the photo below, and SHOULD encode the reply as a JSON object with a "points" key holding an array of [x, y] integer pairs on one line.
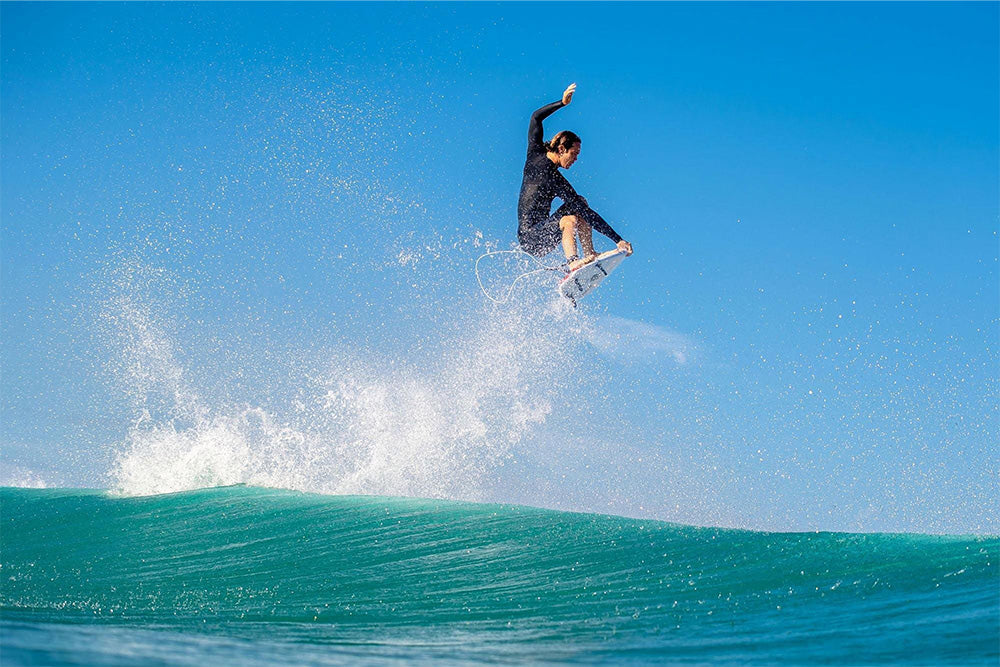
{"points": [[567, 156]]}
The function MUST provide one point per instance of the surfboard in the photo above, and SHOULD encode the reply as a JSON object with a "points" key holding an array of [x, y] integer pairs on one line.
{"points": [[583, 280]]}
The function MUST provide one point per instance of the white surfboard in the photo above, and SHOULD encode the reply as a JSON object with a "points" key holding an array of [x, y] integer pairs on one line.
{"points": [[582, 281]]}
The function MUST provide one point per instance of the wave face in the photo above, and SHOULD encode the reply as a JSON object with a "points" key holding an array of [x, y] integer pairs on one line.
{"points": [[244, 575]]}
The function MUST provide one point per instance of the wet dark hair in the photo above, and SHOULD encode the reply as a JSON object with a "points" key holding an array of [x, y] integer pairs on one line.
{"points": [[565, 138]]}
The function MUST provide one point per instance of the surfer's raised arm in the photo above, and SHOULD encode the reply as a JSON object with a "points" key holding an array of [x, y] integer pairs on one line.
{"points": [[536, 137]]}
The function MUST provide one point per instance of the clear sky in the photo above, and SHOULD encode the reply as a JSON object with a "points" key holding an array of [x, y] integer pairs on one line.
{"points": [[230, 227]]}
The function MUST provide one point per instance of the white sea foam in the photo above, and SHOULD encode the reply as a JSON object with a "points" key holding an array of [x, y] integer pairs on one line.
{"points": [[11, 475], [357, 427]]}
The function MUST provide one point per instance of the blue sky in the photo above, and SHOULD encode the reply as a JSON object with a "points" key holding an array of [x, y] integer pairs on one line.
{"points": [[223, 202]]}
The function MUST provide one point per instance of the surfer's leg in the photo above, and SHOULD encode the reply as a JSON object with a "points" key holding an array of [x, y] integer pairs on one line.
{"points": [[573, 226], [568, 226], [589, 221]]}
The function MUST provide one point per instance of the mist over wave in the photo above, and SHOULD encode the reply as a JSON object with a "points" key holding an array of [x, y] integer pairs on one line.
{"points": [[636, 342], [443, 424], [18, 477]]}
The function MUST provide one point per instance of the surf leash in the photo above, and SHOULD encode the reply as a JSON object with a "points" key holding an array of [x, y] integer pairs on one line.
{"points": [[510, 290]]}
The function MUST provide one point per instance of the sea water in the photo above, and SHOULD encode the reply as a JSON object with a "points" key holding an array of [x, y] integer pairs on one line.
{"points": [[247, 575]]}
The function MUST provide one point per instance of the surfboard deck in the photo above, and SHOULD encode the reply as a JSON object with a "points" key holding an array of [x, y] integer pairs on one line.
{"points": [[585, 279]]}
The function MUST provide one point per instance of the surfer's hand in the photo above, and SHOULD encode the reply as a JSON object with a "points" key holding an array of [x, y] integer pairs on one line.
{"points": [[625, 247], [568, 94]]}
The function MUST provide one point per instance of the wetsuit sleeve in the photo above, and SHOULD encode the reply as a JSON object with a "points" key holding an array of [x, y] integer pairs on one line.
{"points": [[568, 194], [601, 225], [535, 138]]}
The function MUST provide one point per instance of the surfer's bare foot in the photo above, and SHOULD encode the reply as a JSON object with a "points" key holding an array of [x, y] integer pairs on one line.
{"points": [[577, 263]]}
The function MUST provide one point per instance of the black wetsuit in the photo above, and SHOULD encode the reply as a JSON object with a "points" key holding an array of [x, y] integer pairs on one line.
{"points": [[538, 232]]}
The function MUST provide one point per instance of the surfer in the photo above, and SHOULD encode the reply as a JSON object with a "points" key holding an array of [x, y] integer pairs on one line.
{"points": [[540, 232]]}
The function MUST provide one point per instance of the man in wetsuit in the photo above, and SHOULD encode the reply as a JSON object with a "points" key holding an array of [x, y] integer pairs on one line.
{"points": [[540, 232]]}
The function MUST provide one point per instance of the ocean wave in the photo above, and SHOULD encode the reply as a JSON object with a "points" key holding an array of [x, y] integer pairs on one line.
{"points": [[266, 564]]}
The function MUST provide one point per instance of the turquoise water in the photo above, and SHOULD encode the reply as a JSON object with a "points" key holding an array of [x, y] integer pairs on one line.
{"points": [[260, 576]]}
